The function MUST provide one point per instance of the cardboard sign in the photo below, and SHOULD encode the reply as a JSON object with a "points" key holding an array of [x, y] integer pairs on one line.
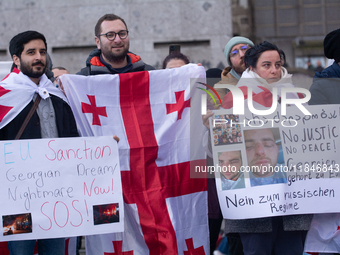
{"points": [[277, 165], [60, 187]]}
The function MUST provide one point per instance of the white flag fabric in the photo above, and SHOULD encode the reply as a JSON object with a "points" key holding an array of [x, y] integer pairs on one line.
{"points": [[17, 91], [151, 113], [324, 234], [71, 246]]}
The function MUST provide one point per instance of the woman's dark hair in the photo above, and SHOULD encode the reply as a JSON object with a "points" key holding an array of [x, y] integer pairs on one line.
{"points": [[253, 54], [175, 55], [283, 58]]}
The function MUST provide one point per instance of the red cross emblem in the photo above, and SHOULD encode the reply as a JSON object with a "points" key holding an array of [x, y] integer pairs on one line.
{"points": [[4, 109], [191, 250], [146, 184], [179, 105], [92, 108]]}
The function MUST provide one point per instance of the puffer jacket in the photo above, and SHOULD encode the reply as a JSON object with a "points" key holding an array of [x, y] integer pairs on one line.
{"points": [[94, 65]]}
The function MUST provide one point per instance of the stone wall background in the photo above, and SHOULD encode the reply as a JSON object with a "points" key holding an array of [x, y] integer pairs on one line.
{"points": [[202, 27]]}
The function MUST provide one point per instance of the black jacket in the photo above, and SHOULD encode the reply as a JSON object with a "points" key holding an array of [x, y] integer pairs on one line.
{"points": [[326, 86], [65, 122], [95, 66]]}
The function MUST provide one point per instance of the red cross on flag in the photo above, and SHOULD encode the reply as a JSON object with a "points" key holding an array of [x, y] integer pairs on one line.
{"points": [[151, 113], [92, 108]]}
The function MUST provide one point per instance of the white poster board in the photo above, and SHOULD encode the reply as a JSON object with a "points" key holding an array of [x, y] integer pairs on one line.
{"points": [[60, 187], [306, 173]]}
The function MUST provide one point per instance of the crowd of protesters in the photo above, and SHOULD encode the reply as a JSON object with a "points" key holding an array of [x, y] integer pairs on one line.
{"points": [[249, 64]]}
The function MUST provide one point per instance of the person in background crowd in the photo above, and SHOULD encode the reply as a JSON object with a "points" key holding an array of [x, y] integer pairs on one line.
{"points": [[269, 235], [327, 91], [319, 67], [310, 66], [175, 59], [58, 71], [52, 118], [112, 55], [234, 52]]}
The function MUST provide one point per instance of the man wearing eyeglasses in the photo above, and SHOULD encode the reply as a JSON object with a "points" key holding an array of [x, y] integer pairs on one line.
{"points": [[112, 55], [234, 53]]}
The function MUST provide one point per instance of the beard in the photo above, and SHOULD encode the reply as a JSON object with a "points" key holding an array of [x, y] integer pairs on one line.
{"points": [[115, 57], [240, 68], [27, 69]]}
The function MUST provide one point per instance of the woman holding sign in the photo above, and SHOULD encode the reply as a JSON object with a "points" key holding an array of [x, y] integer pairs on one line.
{"points": [[271, 235], [264, 72]]}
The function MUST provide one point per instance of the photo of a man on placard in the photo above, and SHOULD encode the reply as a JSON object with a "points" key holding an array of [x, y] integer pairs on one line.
{"points": [[262, 149], [230, 163], [227, 130]]}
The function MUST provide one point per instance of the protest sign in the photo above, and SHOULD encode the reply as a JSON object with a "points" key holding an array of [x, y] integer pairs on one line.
{"points": [[60, 187], [277, 165]]}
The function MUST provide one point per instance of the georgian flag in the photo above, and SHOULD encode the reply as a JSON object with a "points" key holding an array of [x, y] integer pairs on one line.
{"points": [[151, 113], [17, 91]]}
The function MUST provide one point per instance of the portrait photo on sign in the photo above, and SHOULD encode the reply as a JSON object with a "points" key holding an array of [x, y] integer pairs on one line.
{"points": [[103, 214], [264, 156], [231, 176], [17, 224], [226, 130]]}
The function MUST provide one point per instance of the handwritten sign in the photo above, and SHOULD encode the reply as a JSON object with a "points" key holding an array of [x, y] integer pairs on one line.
{"points": [[277, 165], [60, 187]]}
